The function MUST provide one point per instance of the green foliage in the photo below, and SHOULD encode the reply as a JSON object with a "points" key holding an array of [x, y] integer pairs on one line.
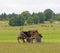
{"points": [[57, 17], [26, 15], [27, 18], [3, 16], [21, 20], [48, 14], [35, 18], [16, 21], [51, 20], [30, 21], [41, 17]]}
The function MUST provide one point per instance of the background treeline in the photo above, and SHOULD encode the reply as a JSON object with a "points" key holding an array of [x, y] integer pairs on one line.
{"points": [[26, 18]]}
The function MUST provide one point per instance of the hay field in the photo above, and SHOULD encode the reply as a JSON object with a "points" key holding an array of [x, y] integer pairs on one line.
{"points": [[50, 41]]}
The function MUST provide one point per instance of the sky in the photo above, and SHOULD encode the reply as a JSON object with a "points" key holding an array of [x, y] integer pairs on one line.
{"points": [[18, 6]]}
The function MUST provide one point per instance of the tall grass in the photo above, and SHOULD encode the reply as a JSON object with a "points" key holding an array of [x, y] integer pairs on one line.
{"points": [[29, 48], [50, 41], [49, 31]]}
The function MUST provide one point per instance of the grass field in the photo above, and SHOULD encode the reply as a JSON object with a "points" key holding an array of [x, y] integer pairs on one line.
{"points": [[50, 41], [29, 48]]}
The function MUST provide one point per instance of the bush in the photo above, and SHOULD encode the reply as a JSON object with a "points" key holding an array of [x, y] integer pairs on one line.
{"points": [[16, 21]]}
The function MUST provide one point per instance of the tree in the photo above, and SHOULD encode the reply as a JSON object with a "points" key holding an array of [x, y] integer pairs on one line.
{"points": [[27, 17], [57, 17], [21, 20], [41, 17], [30, 21], [3, 16], [13, 18], [48, 14], [12, 21], [16, 21], [26, 14], [35, 18]]}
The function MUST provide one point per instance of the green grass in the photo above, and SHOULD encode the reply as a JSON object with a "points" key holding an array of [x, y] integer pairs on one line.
{"points": [[29, 48], [48, 35], [50, 41]]}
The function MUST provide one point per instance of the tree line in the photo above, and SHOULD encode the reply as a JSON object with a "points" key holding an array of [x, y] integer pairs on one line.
{"points": [[26, 18]]}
